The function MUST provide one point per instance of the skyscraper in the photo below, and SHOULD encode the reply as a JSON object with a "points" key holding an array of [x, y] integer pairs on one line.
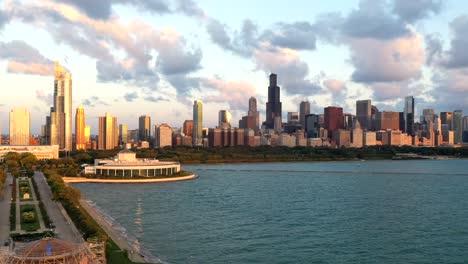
{"points": [[19, 126], [457, 126], [80, 128], [188, 128], [273, 106], [144, 128], [304, 109], [87, 136], [253, 111], [446, 119], [364, 113], [333, 119], [123, 133], [224, 119], [197, 123], [108, 132], [59, 123], [162, 136], [409, 115]]}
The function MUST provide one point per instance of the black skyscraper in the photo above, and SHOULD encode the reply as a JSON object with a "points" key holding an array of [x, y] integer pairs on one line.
{"points": [[273, 106]]}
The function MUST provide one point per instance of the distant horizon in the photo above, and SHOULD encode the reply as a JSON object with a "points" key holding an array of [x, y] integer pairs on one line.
{"points": [[162, 56]]}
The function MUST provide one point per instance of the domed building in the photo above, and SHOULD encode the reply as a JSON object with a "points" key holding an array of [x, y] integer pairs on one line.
{"points": [[51, 250]]}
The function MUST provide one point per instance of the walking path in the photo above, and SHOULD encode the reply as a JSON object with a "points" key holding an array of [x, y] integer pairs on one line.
{"points": [[64, 226], [5, 203]]}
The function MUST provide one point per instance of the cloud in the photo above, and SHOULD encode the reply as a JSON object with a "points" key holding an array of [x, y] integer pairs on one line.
{"points": [[132, 53], [129, 97], [94, 101], [190, 8], [43, 97], [456, 56], [416, 9], [371, 20], [292, 72], [23, 58], [102, 9], [235, 93], [434, 48], [393, 60], [30, 68], [298, 36], [3, 19], [334, 86], [155, 99]]}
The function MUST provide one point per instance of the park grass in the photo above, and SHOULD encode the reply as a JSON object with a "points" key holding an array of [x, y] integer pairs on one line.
{"points": [[33, 226]]}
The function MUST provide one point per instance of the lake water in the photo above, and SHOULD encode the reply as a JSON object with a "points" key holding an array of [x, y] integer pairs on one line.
{"points": [[323, 212]]}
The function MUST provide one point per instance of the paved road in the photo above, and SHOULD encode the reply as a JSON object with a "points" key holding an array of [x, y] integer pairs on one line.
{"points": [[5, 210], [63, 225]]}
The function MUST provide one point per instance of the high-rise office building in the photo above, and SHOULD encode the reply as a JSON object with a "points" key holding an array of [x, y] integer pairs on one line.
{"points": [[19, 126], [87, 136], [293, 117], [312, 126], [162, 136], [59, 123], [364, 113], [188, 128], [333, 119], [273, 106], [224, 119], [457, 126], [409, 115], [80, 125], [304, 109], [197, 123], [144, 128], [465, 129], [446, 119], [387, 120], [123, 133], [427, 115], [108, 132], [253, 111]]}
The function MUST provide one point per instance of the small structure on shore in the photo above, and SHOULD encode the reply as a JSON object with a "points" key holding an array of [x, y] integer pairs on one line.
{"points": [[126, 165], [51, 250]]}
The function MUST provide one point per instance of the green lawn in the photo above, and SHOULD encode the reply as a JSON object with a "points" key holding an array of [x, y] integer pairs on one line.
{"points": [[25, 187], [31, 224]]}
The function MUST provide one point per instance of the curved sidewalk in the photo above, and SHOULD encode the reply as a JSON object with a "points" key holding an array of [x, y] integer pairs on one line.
{"points": [[172, 179]]}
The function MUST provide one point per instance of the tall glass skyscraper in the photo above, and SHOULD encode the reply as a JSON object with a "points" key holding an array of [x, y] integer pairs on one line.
{"points": [[144, 128], [273, 106], [19, 126], [197, 123], [364, 113], [304, 109], [80, 128], [59, 124], [409, 115], [457, 126], [108, 137]]}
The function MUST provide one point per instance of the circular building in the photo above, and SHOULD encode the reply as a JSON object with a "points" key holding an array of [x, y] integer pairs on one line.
{"points": [[126, 165], [51, 250]]}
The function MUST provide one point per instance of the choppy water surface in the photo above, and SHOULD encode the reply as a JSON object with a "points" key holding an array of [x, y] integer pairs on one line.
{"points": [[332, 212]]}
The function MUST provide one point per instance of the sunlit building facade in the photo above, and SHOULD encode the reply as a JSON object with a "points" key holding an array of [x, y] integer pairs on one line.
{"points": [[19, 126]]}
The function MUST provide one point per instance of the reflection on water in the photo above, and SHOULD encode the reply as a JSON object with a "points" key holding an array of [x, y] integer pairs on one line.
{"points": [[331, 212]]}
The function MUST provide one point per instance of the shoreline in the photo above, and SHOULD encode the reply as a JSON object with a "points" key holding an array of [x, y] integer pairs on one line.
{"points": [[124, 181], [136, 252]]}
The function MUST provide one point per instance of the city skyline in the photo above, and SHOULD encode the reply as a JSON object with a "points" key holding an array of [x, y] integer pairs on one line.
{"points": [[326, 67]]}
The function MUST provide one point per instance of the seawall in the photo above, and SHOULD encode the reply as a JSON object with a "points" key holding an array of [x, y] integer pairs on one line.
{"points": [[127, 181]]}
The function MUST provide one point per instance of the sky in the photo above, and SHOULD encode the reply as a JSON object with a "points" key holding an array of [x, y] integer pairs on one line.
{"points": [[155, 57]]}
